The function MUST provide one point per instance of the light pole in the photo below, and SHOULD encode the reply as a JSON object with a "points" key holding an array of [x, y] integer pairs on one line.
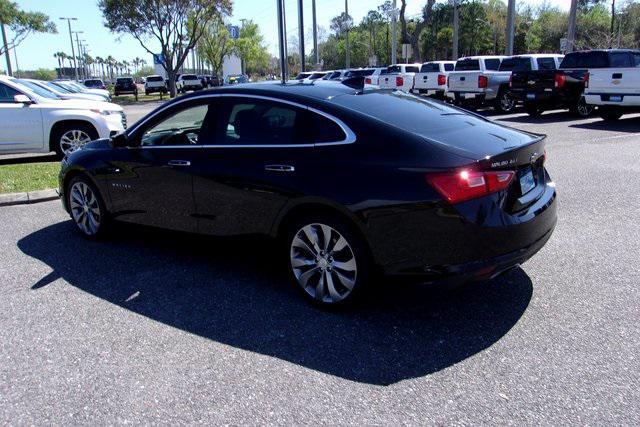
{"points": [[346, 12], [301, 37], [571, 33], [455, 29], [315, 34], [79, 54], [6, 49], [73, 51], [283, 41]]}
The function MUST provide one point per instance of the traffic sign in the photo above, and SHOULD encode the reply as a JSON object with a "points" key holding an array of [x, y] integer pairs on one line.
{"points": [[234, 31]]}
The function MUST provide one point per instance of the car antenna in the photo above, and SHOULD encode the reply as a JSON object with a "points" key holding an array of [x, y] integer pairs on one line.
{"points": [[356, 83]]}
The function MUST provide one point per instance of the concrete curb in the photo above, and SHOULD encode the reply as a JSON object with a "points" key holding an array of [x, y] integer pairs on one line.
{"points": [[11, 199]]}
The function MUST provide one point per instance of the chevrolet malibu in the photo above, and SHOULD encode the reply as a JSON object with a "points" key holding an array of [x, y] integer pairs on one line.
{"points": [[354, 182]]}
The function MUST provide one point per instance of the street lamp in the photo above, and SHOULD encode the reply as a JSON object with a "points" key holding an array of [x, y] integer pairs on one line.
{"points": [[73, 51], [79, 49]]}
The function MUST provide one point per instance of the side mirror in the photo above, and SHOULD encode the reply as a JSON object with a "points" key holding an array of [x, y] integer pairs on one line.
{"points": [[120, 141], [22, 99]]}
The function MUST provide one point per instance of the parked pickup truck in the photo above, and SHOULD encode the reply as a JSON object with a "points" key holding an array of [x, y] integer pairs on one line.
{"points": [[399, 76], [615, 89], [476, 81], [432, 78], [549, 88]]}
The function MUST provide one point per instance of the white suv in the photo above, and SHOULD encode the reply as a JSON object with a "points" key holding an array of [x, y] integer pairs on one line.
{"points": [[41, 122], [188, 82], [155, 84]]}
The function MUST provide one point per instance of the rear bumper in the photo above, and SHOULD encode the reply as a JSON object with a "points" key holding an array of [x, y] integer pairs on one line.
{"points": [[624, 100], [473, 240]]}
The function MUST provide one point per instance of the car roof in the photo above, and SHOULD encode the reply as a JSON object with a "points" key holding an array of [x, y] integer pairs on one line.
{"points": [[538, 55], [318, 90]]}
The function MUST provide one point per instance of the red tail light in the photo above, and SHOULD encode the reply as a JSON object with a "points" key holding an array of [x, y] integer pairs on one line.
{"points": [[483, 82], [459, 186], [559, 79], [511, 80], [399, 81], [442, 79], [367, 80], [586, 80]]}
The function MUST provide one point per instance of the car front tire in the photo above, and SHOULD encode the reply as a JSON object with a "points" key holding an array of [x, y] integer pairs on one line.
{"points": [[505, 103], [86, 207], [328, 261], [69, 138]]}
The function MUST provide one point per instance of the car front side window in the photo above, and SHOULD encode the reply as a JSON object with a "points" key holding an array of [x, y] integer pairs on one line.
{"points": [[188, 126], [7, 93]]}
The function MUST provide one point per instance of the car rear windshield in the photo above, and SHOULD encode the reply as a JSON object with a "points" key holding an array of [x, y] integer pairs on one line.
{"points": [[316, 76], [468, 65], [430, 68], [412, 69], [93, 83], [360, 73], [124, 80], [189, 77], [596, 59], [515, 64], [155, 79]]}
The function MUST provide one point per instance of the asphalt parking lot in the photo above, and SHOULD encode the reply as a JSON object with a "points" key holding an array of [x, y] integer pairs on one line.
{"points": [[158, 327]]}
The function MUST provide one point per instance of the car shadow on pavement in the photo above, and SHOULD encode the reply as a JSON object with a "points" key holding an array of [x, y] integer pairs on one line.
{"points": [[551, 116], [15, 160], [630, 125], [236, 292]]}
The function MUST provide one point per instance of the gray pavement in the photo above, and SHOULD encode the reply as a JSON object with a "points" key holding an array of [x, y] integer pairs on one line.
{"points": [[159, 327]]}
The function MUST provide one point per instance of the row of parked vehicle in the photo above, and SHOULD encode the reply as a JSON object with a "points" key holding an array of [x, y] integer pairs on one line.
{"points": [[580, 81]]}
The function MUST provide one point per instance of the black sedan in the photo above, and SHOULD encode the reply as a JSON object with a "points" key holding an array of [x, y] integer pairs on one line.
{"points": [[353, 182]]}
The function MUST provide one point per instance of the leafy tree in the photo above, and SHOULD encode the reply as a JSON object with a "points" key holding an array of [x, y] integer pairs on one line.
{"points": [[144, 71], [413, 36], [43, 74], [176, 25], [22, 23], [251, 48]]}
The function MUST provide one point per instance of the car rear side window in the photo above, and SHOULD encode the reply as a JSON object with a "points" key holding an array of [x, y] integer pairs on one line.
{"points": [[546, 63], [251, 122], [448, 67], [492, 64], [324, 130], [7, 93], [412, 69], [636, 59], [467, 65]]}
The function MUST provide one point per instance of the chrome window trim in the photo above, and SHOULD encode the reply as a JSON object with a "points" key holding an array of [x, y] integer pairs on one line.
{"points": [[350, 136]]}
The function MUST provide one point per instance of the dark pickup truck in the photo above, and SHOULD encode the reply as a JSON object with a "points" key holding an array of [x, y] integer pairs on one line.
{"points": [[551, 89]]}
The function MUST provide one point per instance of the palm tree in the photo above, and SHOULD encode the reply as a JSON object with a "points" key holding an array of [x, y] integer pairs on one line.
{"points": [[126, 66], [60, 57], [111, 62], [100, 63]]}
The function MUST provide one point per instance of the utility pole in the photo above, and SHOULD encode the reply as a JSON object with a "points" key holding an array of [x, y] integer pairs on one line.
{"points": [[455, 29], [242, 65], [73, 51], [571, 33], [301, 37], [613, 18], [394, 33], [15, 56], [346, 11], [6, 49], [282, 41], [315, 34], [511, 22]]}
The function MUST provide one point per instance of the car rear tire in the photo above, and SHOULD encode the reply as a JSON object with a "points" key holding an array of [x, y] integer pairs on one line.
{"points": [[69, 138], [505, 103], [610, 114], [328, 261], [532, 109], [87, 208], [582, 109]]}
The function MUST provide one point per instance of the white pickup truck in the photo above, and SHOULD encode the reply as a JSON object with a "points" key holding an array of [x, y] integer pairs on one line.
{"points": [[399, 76], [615, 89], [432, 78]]}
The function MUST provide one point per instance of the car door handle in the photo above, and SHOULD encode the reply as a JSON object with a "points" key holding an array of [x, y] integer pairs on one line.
{"points": [[179, 163], [616, 76], [279, 168]]}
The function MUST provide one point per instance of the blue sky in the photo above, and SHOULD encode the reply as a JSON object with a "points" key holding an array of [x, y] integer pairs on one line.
{"points": [[37, 51]]}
